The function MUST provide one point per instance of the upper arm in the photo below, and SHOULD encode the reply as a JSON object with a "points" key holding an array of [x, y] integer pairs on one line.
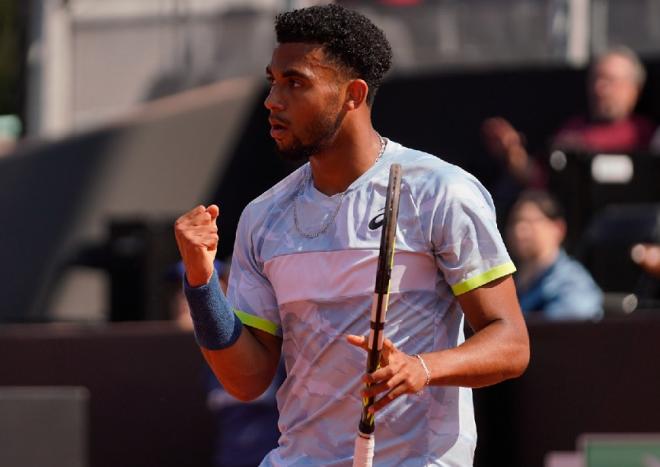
{"points": [[500, 345], [272, 345], [494, 301], [248, 367]]}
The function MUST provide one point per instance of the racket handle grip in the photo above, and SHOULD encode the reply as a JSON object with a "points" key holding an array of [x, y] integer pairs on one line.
{"points": [[364, 451]]}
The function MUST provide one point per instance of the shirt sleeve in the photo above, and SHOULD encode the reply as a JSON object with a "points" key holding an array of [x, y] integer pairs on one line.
{"points": [[249, 291], [469, 249]]}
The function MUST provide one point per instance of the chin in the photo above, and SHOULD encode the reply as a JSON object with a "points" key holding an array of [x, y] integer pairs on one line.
{"points": [[607, 114], [291, 153]]}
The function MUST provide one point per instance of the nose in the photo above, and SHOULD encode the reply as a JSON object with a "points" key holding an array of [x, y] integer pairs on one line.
{"points": [[521, 230], [273, 100]]}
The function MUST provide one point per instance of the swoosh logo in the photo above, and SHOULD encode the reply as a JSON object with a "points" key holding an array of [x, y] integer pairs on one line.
{"points": [[378, 221]]}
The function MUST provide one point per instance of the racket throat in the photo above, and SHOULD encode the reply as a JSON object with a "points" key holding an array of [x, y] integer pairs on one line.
{"points": [[365, 429]]}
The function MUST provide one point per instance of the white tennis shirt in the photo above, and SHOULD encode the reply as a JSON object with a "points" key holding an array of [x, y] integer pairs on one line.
{"points": [[312, 292]]}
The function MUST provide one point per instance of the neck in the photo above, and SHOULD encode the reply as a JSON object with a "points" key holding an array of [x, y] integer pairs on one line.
{"points": [[352, 153]]}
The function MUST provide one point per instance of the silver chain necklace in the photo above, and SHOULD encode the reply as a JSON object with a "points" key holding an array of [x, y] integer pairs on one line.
{"points": [[301, 189]]}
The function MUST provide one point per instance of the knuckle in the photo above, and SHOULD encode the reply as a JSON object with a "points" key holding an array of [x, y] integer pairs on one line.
{"points": [[191, 239]]}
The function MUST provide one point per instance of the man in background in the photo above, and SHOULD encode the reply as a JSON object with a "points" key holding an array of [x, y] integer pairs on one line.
{"points": [[615, 81]]}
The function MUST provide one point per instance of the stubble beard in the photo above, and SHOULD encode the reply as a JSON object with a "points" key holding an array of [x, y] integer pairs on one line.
{"points": [[322, 133]]}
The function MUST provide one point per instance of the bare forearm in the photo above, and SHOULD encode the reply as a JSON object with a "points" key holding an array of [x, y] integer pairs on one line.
{"points": [[247, 368], [498, 350], [244, 359], [496, 353]]}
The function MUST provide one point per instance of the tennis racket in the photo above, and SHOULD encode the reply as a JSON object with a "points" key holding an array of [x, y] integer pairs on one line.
{"points": [[365, 441]]}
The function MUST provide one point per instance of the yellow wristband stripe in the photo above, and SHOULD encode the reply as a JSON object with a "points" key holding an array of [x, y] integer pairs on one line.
{"points": [[256, 322], [484, 278]]}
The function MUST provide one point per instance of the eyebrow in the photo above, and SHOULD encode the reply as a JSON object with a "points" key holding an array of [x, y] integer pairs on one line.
{"points": [[290, 73]]}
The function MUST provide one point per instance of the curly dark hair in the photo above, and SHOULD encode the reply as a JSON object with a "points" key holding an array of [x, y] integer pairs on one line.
{"points": [[346, 36]]}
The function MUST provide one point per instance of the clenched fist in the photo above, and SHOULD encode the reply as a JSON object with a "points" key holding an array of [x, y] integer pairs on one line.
{"points": [[196, 235]]}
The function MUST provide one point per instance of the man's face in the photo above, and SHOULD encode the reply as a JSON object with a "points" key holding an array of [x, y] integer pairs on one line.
{"points": [[305, 100], [531, 234], [613, 90]]}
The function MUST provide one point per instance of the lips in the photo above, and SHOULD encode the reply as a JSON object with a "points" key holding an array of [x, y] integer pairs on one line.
{"points": [[277, 127]]}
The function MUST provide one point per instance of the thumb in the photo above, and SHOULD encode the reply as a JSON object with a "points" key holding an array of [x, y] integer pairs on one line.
{"points": [[213, 210]]}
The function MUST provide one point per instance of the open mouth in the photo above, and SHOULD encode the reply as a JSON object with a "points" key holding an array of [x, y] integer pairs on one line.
{"points": [[277, 129]]}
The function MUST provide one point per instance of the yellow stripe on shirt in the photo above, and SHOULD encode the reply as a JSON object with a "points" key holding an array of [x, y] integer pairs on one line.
{"points": [[256, 322], [484, 278]]}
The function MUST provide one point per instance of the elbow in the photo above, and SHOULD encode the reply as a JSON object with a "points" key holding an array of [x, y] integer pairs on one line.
{"points": [[243, 396], [246, 394], [519, 352], [519, 360]]}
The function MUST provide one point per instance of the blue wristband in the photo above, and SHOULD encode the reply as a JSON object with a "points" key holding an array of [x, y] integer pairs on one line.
{"points": [[216, 325]]}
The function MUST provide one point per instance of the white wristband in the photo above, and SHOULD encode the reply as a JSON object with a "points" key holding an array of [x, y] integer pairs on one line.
{"points": [[426, 369]]}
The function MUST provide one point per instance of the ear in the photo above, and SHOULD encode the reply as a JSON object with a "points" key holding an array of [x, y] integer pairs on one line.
{"points": [[356, 94]]}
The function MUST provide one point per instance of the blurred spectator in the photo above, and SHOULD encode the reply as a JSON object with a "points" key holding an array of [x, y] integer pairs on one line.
{"points": [[518, 170], [10, 130], [549, 282], [244, 431], [647, 256], [655, 142], [614, 83]]}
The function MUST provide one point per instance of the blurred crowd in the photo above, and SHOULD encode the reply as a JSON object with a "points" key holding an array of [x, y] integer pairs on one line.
{"points": [[550, 283]]}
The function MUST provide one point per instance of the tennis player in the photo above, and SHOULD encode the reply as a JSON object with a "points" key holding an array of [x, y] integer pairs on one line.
{"points": [[304, 264]]}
